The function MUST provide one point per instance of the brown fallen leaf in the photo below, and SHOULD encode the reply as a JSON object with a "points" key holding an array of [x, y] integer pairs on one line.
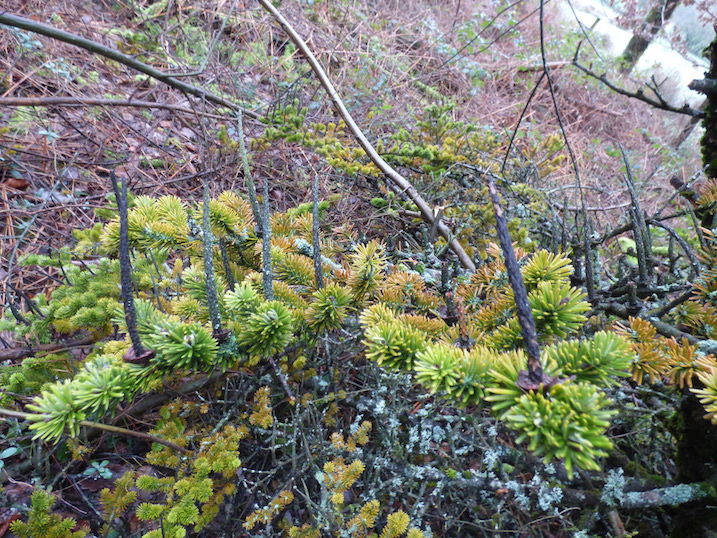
{"points": [[16, 183]]}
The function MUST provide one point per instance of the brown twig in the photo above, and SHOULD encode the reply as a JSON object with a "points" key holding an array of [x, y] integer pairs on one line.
{"points": [[618, 529], [282, 379]]}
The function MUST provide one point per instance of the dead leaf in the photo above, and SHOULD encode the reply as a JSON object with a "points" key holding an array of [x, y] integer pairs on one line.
{"points": [[16, 183]]}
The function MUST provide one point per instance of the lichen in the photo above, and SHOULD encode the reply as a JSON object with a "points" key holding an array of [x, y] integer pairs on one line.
{"points": [[613, 492]]}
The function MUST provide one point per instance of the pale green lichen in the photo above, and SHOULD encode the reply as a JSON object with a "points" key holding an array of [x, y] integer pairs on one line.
{"points": [[670, 496], [708, 347], [613, 492]]}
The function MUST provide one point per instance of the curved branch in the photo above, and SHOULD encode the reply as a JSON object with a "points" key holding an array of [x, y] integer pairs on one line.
{"points": [[589, 265], [97, 48], [401, 182]]}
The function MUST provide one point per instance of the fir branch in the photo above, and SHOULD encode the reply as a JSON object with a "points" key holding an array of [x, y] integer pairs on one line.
{"points": [[535, 377]]}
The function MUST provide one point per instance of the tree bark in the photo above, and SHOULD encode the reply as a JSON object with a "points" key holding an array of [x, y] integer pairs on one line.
{"points": [[708, 87], [651, 25]]}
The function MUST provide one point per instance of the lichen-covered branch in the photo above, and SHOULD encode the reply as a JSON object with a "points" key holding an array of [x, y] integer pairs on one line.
{"points": [[670, 496], [248, 180], [209, 276], [535, 375], [126, 266], [267, 274]]}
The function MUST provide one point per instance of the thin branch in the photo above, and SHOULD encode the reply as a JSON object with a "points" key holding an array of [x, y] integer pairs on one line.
{"points": [[88, 101], [19, 353], [677, 301], [582, 29], [401, 182], [267, 274], [660, 103], [520, 118], [282, 379], [640, 231], [97, 48], [457, 55], [694, 262], [106, 427], [250, 187], [589, 269]]}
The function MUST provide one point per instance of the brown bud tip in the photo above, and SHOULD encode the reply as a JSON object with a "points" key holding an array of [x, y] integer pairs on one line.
{"points": [[132, 358], [544, 383], [221, 335]]}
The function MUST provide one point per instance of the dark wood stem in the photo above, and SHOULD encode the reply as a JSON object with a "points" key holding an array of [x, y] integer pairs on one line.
{"points": [[318, 266], [210, 281], [126, 266], [522, 306]]}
